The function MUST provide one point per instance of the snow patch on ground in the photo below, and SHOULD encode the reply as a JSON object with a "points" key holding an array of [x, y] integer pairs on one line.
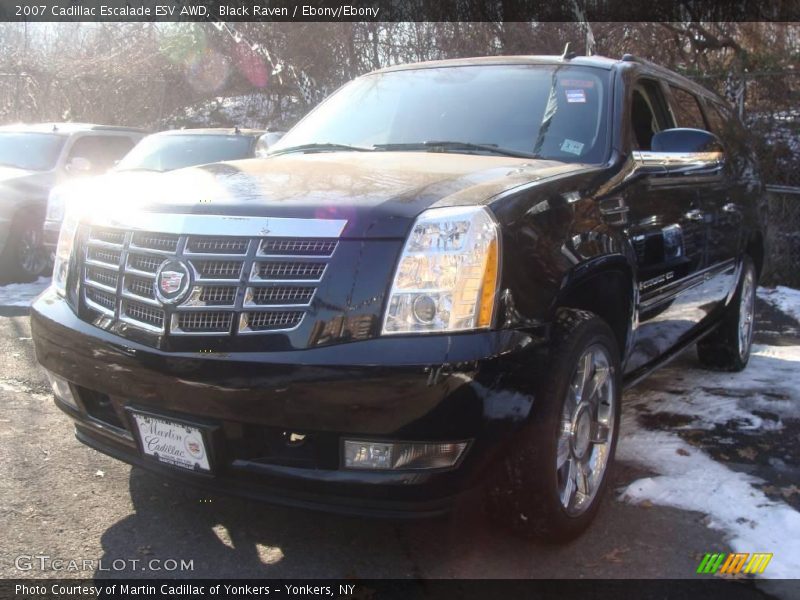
{"points": [[22, 294], [770, 384], [786, 300], [687, 478]]}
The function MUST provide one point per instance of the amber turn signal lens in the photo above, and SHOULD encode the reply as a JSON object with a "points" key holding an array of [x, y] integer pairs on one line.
{"points": [[489, 287]]}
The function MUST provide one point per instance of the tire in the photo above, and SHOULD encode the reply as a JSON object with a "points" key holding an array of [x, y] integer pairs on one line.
{"points": [[527, 493], [24, 257], [728, 347]]}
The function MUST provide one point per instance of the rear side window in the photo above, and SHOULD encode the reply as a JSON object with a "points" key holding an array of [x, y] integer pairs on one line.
{"points": [[686, 109]]}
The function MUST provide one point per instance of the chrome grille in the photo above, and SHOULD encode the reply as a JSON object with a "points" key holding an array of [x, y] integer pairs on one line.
{"points": [[141, 313], [218, 295], [265, 321], [283, 271], [217, 245], [103, 256], [144, 263], [202, 322], [218, 269], [104, 277], [241, 285], [102, 301], [155, 241], [292, 247], [280, 295], [140, 286], [109, 236]]}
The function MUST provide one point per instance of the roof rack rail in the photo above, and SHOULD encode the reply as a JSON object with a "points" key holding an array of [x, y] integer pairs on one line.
{"points": [[629, 58]]}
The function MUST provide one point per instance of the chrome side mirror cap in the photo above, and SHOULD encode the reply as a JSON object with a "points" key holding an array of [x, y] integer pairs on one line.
{"points": [[682, 151]]}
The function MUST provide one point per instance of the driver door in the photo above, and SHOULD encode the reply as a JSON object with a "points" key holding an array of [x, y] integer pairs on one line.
{"points": [[667, 230]]}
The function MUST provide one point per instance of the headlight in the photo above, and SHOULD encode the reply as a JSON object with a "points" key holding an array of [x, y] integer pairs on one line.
{"points": [[55, 206], [66, 241], [446, 278]]}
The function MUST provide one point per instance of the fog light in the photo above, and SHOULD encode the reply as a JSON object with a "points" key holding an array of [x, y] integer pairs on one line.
{"points": [[61, 389], [401, 455]]}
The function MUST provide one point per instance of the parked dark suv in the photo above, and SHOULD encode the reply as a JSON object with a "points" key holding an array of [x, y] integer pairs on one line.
{"points": [[34, 159], [440, 280], [156, 153]]}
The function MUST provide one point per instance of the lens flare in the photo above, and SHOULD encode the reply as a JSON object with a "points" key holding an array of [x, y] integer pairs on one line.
{"points": [[208, 71], [252, 66]]}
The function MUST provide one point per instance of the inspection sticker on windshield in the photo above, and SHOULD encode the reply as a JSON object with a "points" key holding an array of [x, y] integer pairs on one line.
{"points": [[576, 96], [572, 147]]}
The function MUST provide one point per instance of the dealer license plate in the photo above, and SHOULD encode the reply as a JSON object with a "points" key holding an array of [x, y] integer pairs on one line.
{"points": [[172, 443]]}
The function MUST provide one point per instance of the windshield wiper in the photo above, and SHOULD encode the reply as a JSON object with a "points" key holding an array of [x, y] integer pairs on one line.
{"points": [[448, 145], [323, 147]]}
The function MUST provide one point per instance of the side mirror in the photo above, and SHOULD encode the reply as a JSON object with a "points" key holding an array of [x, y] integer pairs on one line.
{"points": [[79, 164], [266, 141], [682, 151]]}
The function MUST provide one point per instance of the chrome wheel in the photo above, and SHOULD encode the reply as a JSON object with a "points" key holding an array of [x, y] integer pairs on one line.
{"points": [[747, 303], [587, 430], [30, 253]]}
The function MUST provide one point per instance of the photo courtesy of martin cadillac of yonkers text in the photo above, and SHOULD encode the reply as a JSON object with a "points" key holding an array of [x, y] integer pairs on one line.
{"points": [[392, 297]]}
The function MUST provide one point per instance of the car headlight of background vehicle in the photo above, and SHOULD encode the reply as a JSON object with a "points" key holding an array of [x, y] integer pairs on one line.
{"points": [[447, 275], [55, 206], [66, 241]]}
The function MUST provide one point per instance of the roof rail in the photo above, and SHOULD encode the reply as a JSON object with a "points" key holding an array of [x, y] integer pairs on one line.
{"points": [[629, 58]]}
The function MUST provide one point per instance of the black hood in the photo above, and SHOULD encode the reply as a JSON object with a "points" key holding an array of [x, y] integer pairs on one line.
{"points": [[378, 193]]}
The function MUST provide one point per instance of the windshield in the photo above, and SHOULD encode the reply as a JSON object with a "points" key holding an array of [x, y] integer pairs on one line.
{"points": [[168, 152], [30, 151], [555, 112]]}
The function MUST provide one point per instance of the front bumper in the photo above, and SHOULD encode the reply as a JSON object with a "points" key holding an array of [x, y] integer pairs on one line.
{"points": [[475, 387]]}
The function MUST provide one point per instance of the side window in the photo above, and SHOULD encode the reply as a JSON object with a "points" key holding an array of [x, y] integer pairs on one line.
{"points": [[686, 109], [103, 151], [649, 113]]}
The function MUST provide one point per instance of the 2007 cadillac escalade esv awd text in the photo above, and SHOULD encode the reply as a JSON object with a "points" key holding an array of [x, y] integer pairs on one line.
{"points": [[439, 281]]}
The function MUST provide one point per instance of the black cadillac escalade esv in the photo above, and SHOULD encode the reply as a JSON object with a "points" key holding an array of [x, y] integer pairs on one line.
{"points": [[440, 280]]}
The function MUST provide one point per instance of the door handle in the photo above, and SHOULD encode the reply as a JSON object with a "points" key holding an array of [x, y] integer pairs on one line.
{"points": [[695, 215]]}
